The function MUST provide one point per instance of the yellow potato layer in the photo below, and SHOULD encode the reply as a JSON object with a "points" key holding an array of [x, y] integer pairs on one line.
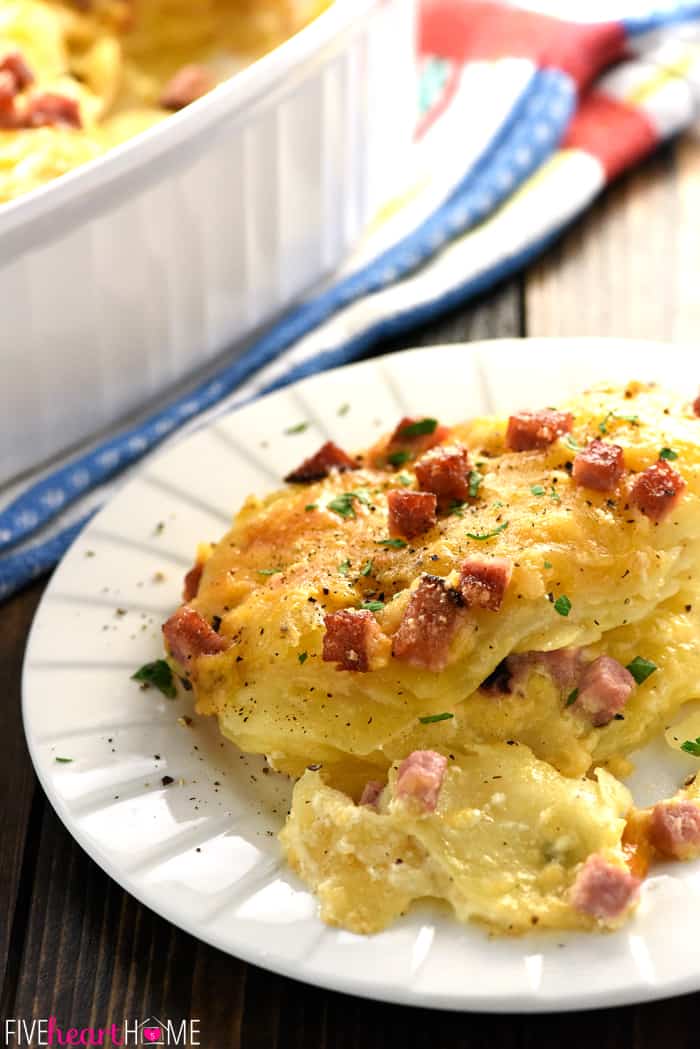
{"points": [[530, 791], [620, 571], [503, 847]]}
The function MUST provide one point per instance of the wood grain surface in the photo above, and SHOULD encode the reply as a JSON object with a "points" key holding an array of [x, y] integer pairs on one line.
{"points": [[74, 945]]}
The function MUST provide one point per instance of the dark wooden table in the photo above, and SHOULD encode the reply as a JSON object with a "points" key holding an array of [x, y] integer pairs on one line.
{"points": [[75, 946]]}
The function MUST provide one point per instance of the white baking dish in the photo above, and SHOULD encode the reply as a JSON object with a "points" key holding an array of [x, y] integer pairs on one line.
{"points": [[126, 274]]}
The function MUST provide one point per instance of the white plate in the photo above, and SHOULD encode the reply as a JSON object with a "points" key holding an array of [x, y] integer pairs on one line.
{"points": [[203, 853]]}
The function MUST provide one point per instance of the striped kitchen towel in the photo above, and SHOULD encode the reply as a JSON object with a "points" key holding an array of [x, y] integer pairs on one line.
{"points": [[523, 117]]}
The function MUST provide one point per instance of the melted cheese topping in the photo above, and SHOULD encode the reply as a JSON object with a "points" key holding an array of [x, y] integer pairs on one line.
{"points": [[115, 57], [632, 585]]}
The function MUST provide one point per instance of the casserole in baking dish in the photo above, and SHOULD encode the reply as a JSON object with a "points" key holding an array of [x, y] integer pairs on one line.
{"points": [[77, 78], [139, 266]]}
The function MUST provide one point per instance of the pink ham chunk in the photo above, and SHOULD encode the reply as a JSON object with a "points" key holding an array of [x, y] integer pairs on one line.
{"points": [[657, 491], [483, 583], [603, 890], [696, 406], [529, 431], [15, 75], [188, 636], [411, 513], [371, 793], [191, 582], [564, 665], [428, 625], [599, 466], [603, 690], [445, 472], [186, 86], [319, 465], [420, 777], [14, 66], [404, 445], [674, 829], [351, 639], [51, 110]]}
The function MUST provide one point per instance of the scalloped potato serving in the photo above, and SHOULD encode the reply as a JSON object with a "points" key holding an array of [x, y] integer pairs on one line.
{"points": [[452, 641], [80, 76]]}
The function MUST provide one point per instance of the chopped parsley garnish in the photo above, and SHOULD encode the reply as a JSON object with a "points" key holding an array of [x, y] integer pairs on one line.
{"points": [[572, 443], [394, 544], [548, 564], [603, 426], [311, 506], [303, 656], [159, 675], [418, 428], [398, 458], [404, 479], [572, 697], [537, 489], [668, 453], [555, 494], [457, 508], [372, 606], [367, 568], [562, 605], [692, 746], [430, 719], [481, 536], [299, 428], [641, 669], [344, 567], [344, 409], [63, 761], [475, 479], [269, 571], [342, 504]]}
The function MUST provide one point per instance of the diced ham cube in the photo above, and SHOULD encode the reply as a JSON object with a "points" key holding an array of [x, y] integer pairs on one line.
{"points": [[353, 639], [319, 465], [411, 513], [428, 625], [420, 777], [16, 70], [599, 466], [603, 690], [8, 90], [49, 110], [674, 829], [188, 636], [192, 581], [564, 665], [657, 491], [483, 582], [404, 445], [528, 431], [445, 471], [696, 406], [371, 793], [187, 85], [603, 890], [499, 681]]}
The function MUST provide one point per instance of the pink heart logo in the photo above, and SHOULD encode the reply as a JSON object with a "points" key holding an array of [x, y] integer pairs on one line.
{"points": [[152, 1034]]}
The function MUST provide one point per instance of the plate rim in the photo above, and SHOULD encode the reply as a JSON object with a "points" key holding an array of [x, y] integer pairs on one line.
{"points": [[582, 1000]]}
